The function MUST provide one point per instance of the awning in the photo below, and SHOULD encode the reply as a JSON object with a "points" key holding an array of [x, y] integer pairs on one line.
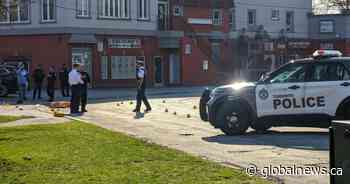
{"points": [[83, 38]]}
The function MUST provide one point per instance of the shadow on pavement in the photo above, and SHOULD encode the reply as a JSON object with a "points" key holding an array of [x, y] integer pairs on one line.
{"points": [[317, 141]]}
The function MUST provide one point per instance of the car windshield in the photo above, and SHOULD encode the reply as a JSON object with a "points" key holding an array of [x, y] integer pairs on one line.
{"points": [[288, 73]]}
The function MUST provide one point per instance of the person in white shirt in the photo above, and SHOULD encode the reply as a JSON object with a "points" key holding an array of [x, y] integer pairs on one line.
{"points": [[75, 82]]}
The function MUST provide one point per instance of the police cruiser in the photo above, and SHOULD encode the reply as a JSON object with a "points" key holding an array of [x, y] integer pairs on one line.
{"points": [[308, 92]]}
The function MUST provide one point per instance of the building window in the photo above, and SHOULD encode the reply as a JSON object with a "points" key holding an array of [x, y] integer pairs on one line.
{"points": [[123, 67], [83, 8], [114, 9], [217, 17], [275, 15], [124, 43], [188, 49], [215, 52], [14, 11], [251, 17], [178, 10], [48, 10], [104, 67], [326, 26], [143, 9], [327, 46], [290, 21]]}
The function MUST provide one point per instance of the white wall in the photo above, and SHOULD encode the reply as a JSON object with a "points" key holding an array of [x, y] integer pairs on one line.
{"points": [[263, 10]]}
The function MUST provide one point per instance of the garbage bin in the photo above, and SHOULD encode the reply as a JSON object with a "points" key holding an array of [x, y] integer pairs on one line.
{"points": [[339, 133]]}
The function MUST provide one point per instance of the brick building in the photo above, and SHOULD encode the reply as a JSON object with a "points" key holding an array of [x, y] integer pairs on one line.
{"points": [[175, 38]]}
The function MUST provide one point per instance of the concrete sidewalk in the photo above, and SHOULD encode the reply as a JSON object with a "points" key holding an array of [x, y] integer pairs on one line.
{"points": [[121, 93]]}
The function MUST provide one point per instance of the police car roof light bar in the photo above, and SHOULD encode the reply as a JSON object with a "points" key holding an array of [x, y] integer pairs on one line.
{"points": [[326, 53]]}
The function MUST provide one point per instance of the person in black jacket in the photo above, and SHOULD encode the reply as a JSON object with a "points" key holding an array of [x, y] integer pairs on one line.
{"points": [[141, 87], [38, 78], [51, 79], [63, 77], [84, 87]]}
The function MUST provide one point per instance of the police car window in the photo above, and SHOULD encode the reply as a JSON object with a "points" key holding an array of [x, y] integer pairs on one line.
{"points": [[329, 72], [290, 73]]}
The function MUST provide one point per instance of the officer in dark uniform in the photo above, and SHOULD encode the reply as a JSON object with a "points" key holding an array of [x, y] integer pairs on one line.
{"points": [[51, 79], [141, 87], [38, 78], [84, 87], [64, 84]]}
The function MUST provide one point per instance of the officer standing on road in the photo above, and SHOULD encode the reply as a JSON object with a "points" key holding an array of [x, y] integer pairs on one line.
{"points": [[141, 87], [75, 81], [22, 81], [84, 87], [38, 78], [51, 79], [64, 84]]}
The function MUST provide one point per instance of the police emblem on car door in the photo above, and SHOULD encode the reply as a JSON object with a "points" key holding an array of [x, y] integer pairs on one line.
{"points": [[282, 92]]}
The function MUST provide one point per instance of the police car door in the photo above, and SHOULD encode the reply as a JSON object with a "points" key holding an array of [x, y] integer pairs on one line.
{"points": [[328, 86], [280, 94]]}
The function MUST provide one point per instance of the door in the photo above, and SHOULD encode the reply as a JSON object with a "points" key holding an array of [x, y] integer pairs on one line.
{"points": [[163, 15], [282, 93], [174, 69], [158, 71], [83, 56], [328, 86]]}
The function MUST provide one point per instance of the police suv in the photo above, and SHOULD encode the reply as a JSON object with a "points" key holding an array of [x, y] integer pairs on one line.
{"points": [[307, 93]]}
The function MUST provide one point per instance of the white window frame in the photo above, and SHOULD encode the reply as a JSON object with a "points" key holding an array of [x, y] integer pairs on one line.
{"points": [[178, 10], [143, 6], [253, 11], [118, 73], [217, 21], [275, 14], [122, 5], [84, 9], [8, 13], [48, 11]]}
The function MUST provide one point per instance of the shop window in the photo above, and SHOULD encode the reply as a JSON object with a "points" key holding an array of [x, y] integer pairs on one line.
{"points": [[123, 67], [104, 67]]}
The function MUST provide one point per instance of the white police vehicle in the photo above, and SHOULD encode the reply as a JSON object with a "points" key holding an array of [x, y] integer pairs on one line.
{"points": [[307, 93]]}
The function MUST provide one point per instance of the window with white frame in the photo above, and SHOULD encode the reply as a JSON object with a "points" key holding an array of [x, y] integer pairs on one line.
{"points": [[251, 17], [275, 15], [143, 9], [217, 17], [114, 9], [48, 10], [123, 67], [14, 11], [83, 8], [178, 10]]}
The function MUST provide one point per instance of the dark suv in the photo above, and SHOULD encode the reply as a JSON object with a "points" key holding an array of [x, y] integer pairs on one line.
{"points": [[8, 80]]}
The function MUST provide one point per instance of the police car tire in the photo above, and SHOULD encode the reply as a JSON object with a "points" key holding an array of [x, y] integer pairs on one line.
{"points": [[203, 105], [260, 127], [243, 118], [3, 91]]}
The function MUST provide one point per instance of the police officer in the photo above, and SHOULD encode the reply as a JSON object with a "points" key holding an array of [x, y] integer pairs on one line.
{"points": [[75, 81], [64, 84], [141, 87], [38, 78], [51, 79], [84, 87]]}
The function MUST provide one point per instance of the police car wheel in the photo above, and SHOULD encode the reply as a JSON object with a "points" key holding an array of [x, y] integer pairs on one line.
{"points": [[203, 105], [260, 127], [3, 91], [233, 118]]}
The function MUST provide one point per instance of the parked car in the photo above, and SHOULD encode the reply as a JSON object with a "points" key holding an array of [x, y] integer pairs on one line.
{"points": [[308, 92], [8, 80]]}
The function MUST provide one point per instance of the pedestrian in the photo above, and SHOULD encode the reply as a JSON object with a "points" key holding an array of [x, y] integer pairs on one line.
{"points": [[64, 84], [84, 87], [51, 80], [22, 82], [38, 78], [141, 87], [75, 81]]}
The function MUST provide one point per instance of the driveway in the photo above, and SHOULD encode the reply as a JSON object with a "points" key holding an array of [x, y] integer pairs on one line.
{"points": [[286, 147]]}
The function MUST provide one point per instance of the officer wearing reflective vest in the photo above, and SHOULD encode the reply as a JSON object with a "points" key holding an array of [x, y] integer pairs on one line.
{"points": [[141, 87]]}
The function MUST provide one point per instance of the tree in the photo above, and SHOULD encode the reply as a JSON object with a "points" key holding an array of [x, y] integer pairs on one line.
{"points": [[342, 5]]}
